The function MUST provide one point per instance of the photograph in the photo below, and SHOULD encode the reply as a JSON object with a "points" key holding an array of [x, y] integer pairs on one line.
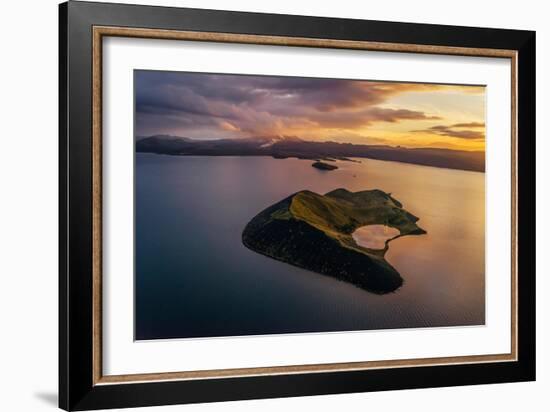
{"points": [[272, 205]]}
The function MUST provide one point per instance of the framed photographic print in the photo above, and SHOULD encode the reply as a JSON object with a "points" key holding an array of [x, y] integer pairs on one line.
{"points": [[257, 205]]}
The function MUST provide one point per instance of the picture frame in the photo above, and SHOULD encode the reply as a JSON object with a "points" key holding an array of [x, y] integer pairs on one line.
{"points": [[83, 27]]}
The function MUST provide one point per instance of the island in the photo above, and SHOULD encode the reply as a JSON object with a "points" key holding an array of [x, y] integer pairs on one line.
{"points": [[314, 232], [324, 166]]}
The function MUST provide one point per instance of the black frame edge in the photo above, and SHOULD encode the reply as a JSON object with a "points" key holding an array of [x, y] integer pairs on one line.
{"points": [[63, 378], [76, 389], [526, 204]]}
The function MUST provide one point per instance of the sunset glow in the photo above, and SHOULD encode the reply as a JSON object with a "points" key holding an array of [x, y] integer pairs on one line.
{"points": [[207, 106]]}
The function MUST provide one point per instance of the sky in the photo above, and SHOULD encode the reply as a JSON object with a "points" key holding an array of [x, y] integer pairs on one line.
{"points": [[222, 106]]}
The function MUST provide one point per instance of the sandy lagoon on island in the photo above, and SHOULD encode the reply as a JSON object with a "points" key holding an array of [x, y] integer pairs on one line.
{"points": [[374, 236]]}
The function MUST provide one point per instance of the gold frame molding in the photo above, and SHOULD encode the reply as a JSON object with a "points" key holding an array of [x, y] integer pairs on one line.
{"points": [[102, 31]]}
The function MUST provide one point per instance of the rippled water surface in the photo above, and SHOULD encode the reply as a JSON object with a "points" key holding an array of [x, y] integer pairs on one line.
{"points": [[195, 278]]}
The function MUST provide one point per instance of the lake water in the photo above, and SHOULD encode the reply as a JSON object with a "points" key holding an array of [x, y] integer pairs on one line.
{"points": [[194, 277], [374, 236]]}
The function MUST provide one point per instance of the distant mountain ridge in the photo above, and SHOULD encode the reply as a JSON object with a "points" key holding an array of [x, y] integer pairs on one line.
{"points": [[285, 147]]}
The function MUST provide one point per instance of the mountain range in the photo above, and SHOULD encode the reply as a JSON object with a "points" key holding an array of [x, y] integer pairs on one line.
{"points": [[286, 147]]}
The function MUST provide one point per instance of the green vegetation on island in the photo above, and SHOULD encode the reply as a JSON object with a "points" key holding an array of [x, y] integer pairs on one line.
{"points": [[314, 232]]}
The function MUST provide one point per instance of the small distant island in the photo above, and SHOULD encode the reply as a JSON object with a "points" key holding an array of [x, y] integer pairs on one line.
{"points": [[314, 232], [324, 166]]}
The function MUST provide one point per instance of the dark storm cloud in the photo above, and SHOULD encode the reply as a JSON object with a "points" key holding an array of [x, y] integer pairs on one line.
{"points": [[342, 119], [247, 105]]}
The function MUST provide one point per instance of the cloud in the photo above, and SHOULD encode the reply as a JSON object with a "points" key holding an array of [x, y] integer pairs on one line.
{"points": [[470, 125], [207, 105], [228, 126], [451, 130], [366, 117]]}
